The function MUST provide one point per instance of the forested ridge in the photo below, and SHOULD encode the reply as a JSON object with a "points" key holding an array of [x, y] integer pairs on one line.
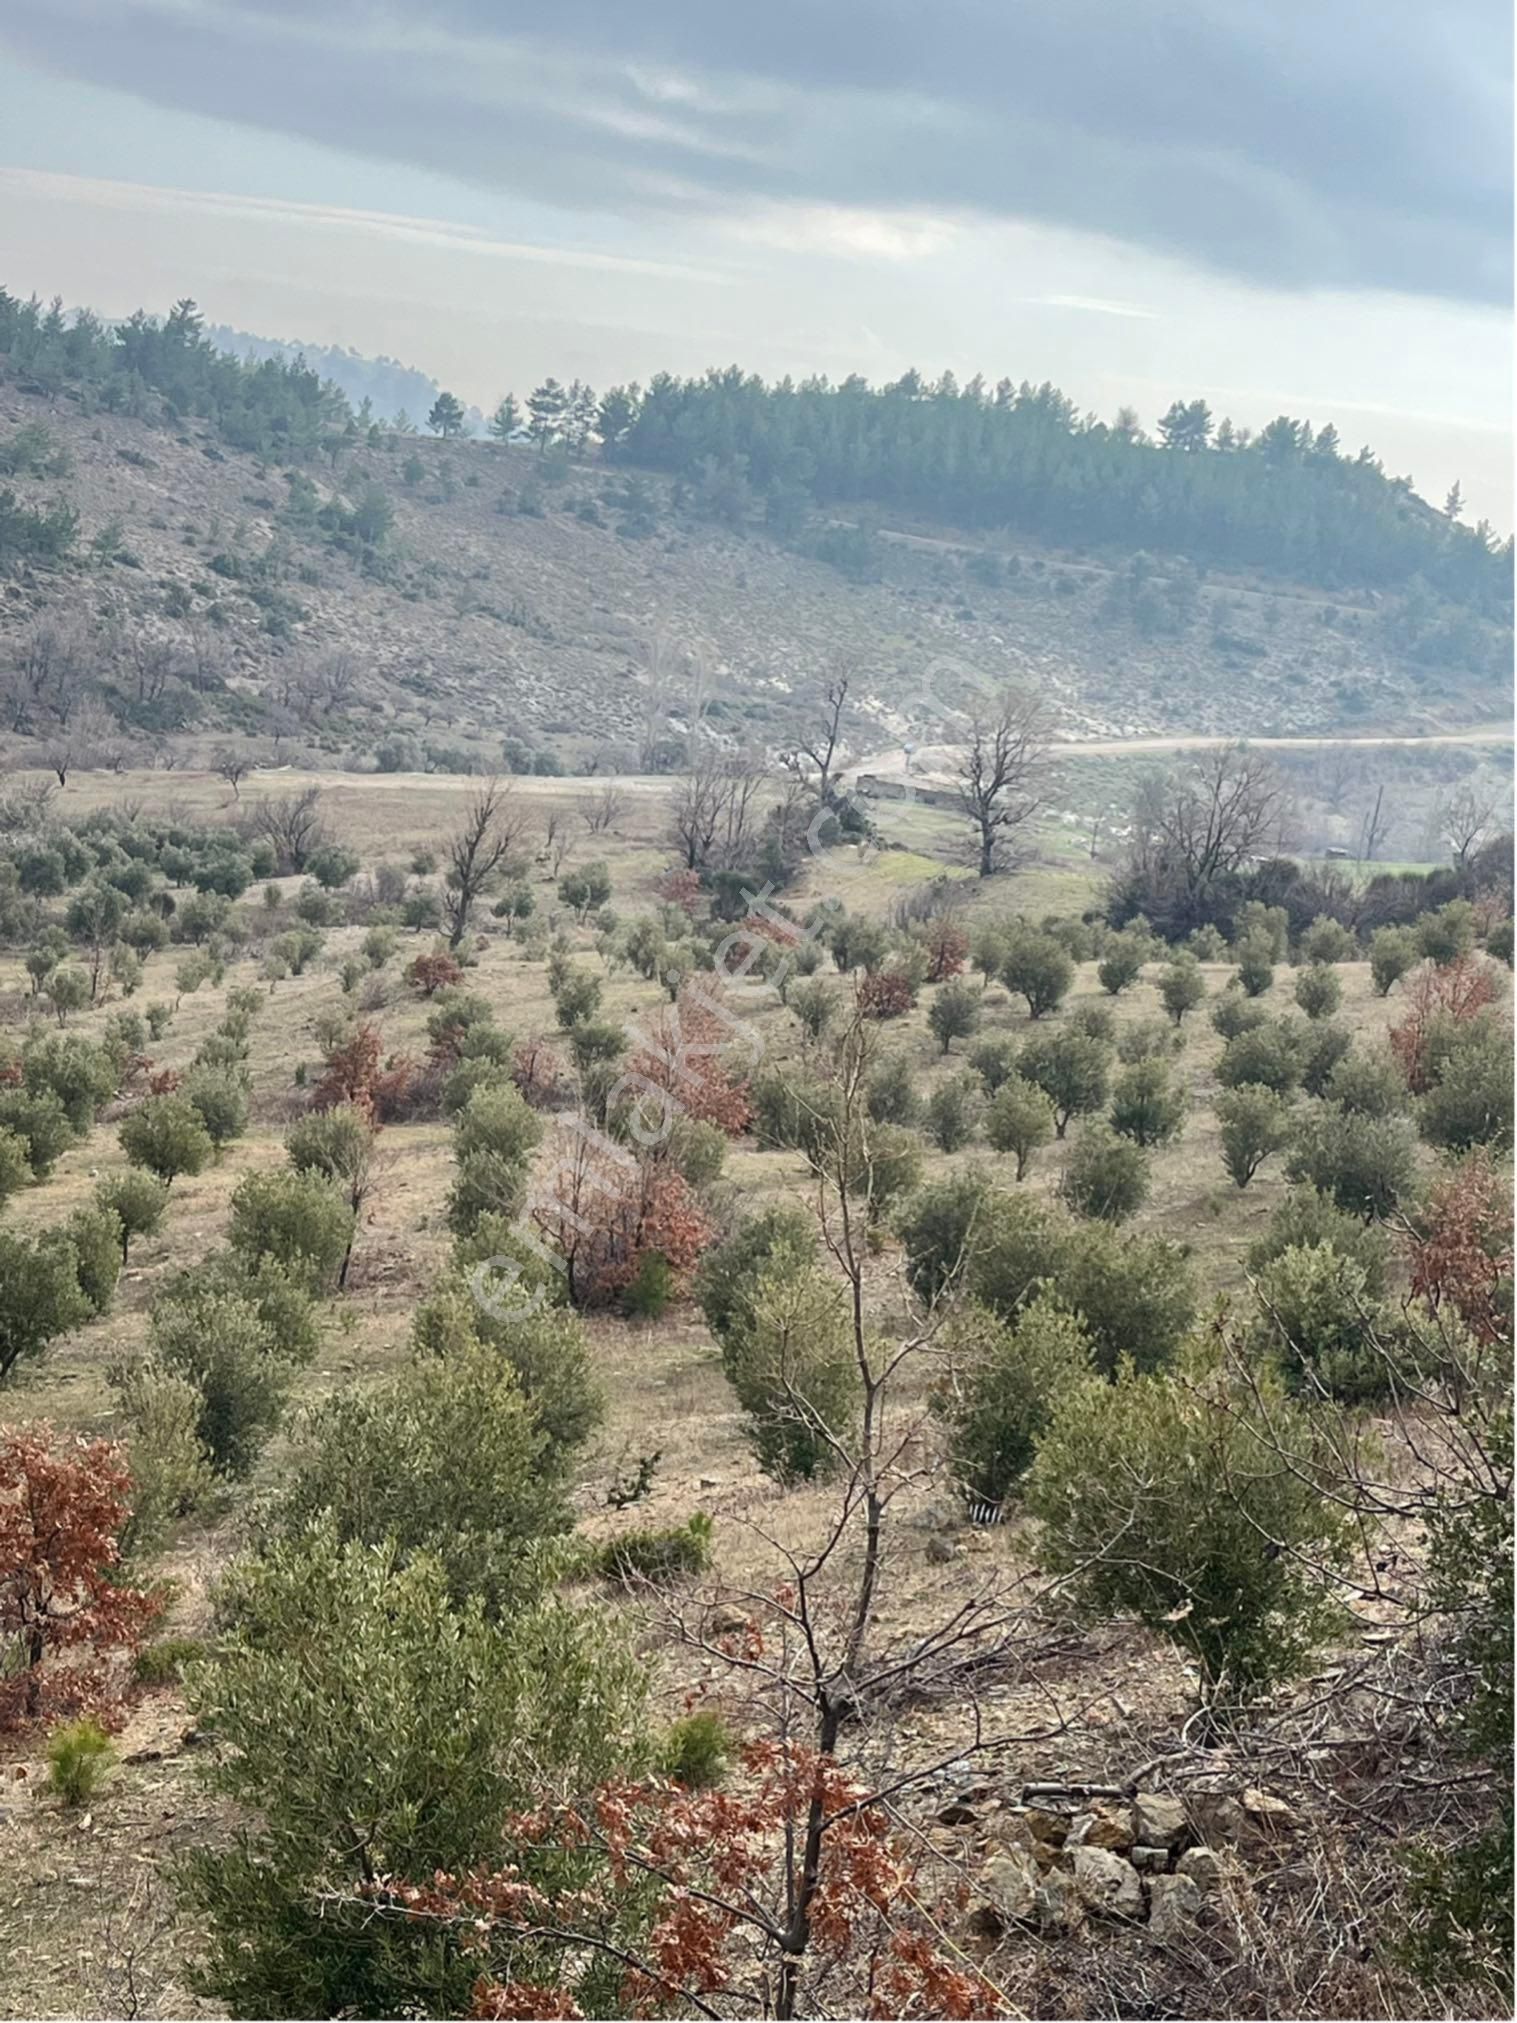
{"points": [[1020, 458]]}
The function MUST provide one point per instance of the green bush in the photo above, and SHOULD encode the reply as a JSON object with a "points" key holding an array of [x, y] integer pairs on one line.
{"points": [[1072, 1069], [1036, 967], [1107, 1175], [1189, 1502], [172, 1472], [1146, 1106], [40, 1296], [1182, 987], [1328, 940], [166, 1135], [994, 1059], [1267, 1057], [814, 1005], [1393, 951], [15, 1167], [1234, 1014], [447, 1459], [727, 1274], [696, 1750], [890, 1095], [1368, 1165], [348, 1686], [494, 1137], [699, 1151], [889, 1165], [1470, 1103], [1256, 1123], [1323, 1045], [648, 1295], [789, 1354], [80, 1074], [547, 1349], [941, 1228], [1306, 1218], [953, 1112], [954, 1013], [1369, 1084], [40, 1121], [95, 1237], [1446, 934], [165, 1663], [1255, 972], [1318, 1322], [1006, 1378], [299, 1220], [220, 1343], [658, 1552], [79, 1758], [1122, 962], [219, 1098], [1319, 991]]}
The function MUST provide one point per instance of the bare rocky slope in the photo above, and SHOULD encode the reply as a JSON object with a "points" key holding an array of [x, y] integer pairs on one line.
{"points": [[587, 613]]}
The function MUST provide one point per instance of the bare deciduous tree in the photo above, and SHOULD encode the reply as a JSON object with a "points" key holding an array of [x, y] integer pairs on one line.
{"points": [[233, 766], [1227, 808], [488, 837], [293, 824], [603, 809], [1466, 819], [1002, 777], [818, 748]]}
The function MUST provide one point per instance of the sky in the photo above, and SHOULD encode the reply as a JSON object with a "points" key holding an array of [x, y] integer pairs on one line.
{"points": [[1297, 206]]}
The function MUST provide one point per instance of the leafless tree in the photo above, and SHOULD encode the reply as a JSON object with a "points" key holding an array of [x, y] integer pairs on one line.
{"points": [[1226, 809], [1372, 828], [335, 676], [696, 809], [293, 824], [816, 751], [149, 661], [603, 809], [52, 672], [489, 836], [234, 767], [557, 843], [1002, 779], [1466, 819]]}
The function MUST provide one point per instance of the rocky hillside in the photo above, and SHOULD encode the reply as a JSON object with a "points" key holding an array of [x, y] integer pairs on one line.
{"points": [[406, 601]]}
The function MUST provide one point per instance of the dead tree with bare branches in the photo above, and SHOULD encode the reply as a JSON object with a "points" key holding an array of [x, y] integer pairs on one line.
{"points": [[488, 839], [1002, 779]]}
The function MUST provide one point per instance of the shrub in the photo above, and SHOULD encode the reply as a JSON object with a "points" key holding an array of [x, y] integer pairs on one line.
{"points": [[1318, 991], [1443, 936], [39, 1120], [1255, 972], [494, 1137], [576, 997], [40, 1296], [1323, 1046], [1265, 1057], [696, 1750], [1316, 1319], [1470, 1103], [165, 1663], [1019, 1121], [941, 1228], [658, 1553], [80, 1756], [653, 1285], [1306, 1218], [1037, 967], [299, 1220], [220, 1343], [94, 1236], [1256, 1123], [953, 1111], [814, 1006], [1072, 1071], [433, 972], [994, 1060], [1094, 1022], [1328, 940], [890, 1096], [1208, 943], [885, 994], [954, 1013], [889, 1165], [1182, 987], [1146, 1106], [1122, 962], [80, 1074], [1155, 1493], [332, 866], [448, 1459], [1368, 1165], [1107, 1175], [349, 1686], [1006, 1379], [167, 1136], [1393, 951], [789, 1355], [1268, 926], [15, 1170], [1233, 1014], [219, 1098], [728, 1272], [171, 1466]]}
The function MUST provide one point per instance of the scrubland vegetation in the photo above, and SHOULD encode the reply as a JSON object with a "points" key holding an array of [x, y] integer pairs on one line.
{"points": [[611, 1410]]}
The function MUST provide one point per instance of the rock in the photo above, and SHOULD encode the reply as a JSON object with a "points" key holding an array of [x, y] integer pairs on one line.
{"points": [[1161, 1821], [1045, 1826], [710, 1482], [1106, 1824], [726, 1620], [957, 1813], [1173, 1902], [1011, 1892], [1107, 1883], [1219, 1815], [1267, 1811], [941, 1550], [1201, 1865], [1150, 1860], [1058, 1907]]}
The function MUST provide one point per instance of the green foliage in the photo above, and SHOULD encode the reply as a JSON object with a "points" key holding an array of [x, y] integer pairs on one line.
{"points": [[1328, 940], [546, 1348], [173, 1475], [1449, 932], [221, 1343], [1006, 1379], [1368, 1165], [1182, 986], [1146, 1104], [1072, 1069], [1318, 1322], [1161, 1496], [165, 1663], [696, 1750], [167, 1136], [79, 1073], [41, 1123], [648, 1295], [1255, 972], [941, 1228], [1369, 1084], [40, 1296], [1306, 1218], [94, 1234], [889, 1165], [994, 1059], [953, 1112], [1122, 962], [789, 1354], [658, 1552], [80, 1756], [1233, 1014], [494, 1137], [350, 1691], [954, 1013], [1470, 1101], [890, 1095], [1107, 1175], [813, 1004], [447, 1459], [1265, 1056], [299, 1220], [332, 866], [1038, 968], [219, 1098], [1393, 951], [1256, 1123], [1323, 1045], [727, 1273], [1319, 991], [15, 1169]]}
